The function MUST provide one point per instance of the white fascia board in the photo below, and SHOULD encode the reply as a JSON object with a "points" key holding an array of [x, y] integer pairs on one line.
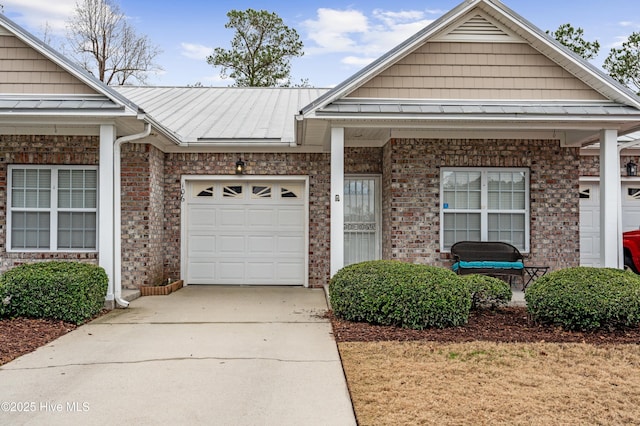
{"points": [[517, 118]]}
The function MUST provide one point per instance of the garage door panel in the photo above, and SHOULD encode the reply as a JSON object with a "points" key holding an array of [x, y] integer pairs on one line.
{"points": [[261, 218], [257, 270], [200, 217], [201, 271], [230, 245], [202, 245], [245, 239], [230, 271], [232, 217], [261, 245], [289, 271], [290, 218], [291, 245]]}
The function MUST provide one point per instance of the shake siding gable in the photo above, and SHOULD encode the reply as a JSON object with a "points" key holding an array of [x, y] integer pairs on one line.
{"points": [[476, 70], [25, 71]]}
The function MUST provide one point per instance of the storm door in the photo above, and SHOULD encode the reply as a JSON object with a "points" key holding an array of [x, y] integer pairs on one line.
{"points": [[362, 235]]}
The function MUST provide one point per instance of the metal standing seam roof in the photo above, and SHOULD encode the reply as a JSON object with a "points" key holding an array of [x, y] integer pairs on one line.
{"points": [[375, 107], [59, 104], [224, 114]]}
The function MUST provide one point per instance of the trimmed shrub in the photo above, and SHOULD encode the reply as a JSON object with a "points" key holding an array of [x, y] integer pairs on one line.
{"points": [[585, 299], [68, 291], [401, 294], [487, 292]]}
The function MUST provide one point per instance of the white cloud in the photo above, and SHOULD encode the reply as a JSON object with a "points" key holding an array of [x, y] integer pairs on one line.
{"points": [[196, 51], [36, 14], [333, 30], [364, 37], [357, 61]]}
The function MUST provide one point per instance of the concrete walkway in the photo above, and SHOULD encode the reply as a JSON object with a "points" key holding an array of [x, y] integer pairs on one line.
{"points": [[203, 355]]}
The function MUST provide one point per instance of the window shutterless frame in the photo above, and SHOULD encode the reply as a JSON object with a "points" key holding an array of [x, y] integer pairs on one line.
{"points": [[484, 204], [51, 208]]}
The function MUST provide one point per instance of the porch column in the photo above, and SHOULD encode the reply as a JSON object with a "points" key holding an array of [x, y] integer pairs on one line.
{"points": [[337, 199], [106, 237], [610, 202]]}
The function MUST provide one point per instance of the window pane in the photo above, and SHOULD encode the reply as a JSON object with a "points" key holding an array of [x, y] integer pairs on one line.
{"points": [[507, 227], [77, 230], [77, 189], [31, 188], [506, 190], [461, 227], [461, 190], [30, 230]]}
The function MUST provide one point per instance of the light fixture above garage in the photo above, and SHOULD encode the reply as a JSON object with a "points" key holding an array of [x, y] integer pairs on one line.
{"points": [[240, 168], [632, 169]]}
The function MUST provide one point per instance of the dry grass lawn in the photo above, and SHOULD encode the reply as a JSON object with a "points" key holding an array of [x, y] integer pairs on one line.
{"points": [[410, 383]]}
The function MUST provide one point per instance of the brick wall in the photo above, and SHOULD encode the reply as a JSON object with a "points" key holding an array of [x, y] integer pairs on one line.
{"points": [[590, 164], [142, 215], [50, 150], [412, 183], [316, 166]]}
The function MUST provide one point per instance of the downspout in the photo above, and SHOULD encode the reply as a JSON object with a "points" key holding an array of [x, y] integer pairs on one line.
{"points": [[117, 214]]}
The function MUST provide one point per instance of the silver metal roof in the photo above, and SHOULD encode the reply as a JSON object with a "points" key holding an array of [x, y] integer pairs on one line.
{"points": [[378, 107], [58, 104], [224, 114]]}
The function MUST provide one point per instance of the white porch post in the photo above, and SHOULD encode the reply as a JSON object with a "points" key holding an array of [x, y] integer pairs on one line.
{"points": [[105, 216], [337, 199], [610, 202]]}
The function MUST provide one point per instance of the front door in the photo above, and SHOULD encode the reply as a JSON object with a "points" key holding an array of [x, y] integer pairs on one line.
{"points": [[362, 227]]}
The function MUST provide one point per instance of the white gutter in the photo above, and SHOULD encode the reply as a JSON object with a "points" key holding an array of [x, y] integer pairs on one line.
{"points": [[629, 144], [117, 214]]}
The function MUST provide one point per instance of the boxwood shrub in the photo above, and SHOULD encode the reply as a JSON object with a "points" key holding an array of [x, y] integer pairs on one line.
{"points": [[401, 294], [487, 292], [68, 291], [585, 298]]}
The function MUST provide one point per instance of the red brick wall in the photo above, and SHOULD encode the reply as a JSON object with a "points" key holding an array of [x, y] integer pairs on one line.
{"points": [[52, 150], [142, 215], [412, 184], [590, 164], [316, 166]]}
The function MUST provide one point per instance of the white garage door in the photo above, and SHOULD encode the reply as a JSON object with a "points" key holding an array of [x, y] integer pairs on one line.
{"points": [[590, 218], [245, 233]]}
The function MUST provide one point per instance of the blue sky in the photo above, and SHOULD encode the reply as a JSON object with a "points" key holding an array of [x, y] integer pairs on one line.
{"points": [[339, 37]]}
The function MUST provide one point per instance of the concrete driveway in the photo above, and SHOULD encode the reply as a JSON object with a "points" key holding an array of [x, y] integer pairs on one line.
{"points": [[203, 355]]}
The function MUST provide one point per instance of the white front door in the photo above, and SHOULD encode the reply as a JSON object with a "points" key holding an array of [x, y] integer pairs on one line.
{"points": [[362, 226], [590, 217], [243, 232]]}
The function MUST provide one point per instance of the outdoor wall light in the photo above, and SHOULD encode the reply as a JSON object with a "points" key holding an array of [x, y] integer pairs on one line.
{"points": [[632, 169], [240, 167]]}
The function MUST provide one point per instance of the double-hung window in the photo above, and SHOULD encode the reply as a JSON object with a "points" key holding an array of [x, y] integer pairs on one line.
{"points": [[52, 208], [484, 205]]}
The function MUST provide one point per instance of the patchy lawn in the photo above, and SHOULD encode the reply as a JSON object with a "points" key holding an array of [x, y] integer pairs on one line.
{"points": [[498, 369], [421, 382]]}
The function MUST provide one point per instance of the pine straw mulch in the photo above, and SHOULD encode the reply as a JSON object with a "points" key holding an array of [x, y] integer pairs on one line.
{"points": [[508, 325]]}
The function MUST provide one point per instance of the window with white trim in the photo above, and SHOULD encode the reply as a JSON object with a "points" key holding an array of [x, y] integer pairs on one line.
{"points": [[484, 205], [52, 208]]}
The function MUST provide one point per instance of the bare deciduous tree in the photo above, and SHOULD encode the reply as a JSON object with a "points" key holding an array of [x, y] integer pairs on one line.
{"points": [[106, 45]]}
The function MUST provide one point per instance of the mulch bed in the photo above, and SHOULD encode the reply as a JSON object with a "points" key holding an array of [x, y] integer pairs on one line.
{"points": [[23, 335], [509, 324]]}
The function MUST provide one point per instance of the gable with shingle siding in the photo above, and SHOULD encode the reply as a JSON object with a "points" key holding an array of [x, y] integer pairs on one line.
{"points": [[26, 71], [476, 70]]}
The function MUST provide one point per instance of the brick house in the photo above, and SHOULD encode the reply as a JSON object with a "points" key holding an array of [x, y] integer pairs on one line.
{"points": [[470, 129]]}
